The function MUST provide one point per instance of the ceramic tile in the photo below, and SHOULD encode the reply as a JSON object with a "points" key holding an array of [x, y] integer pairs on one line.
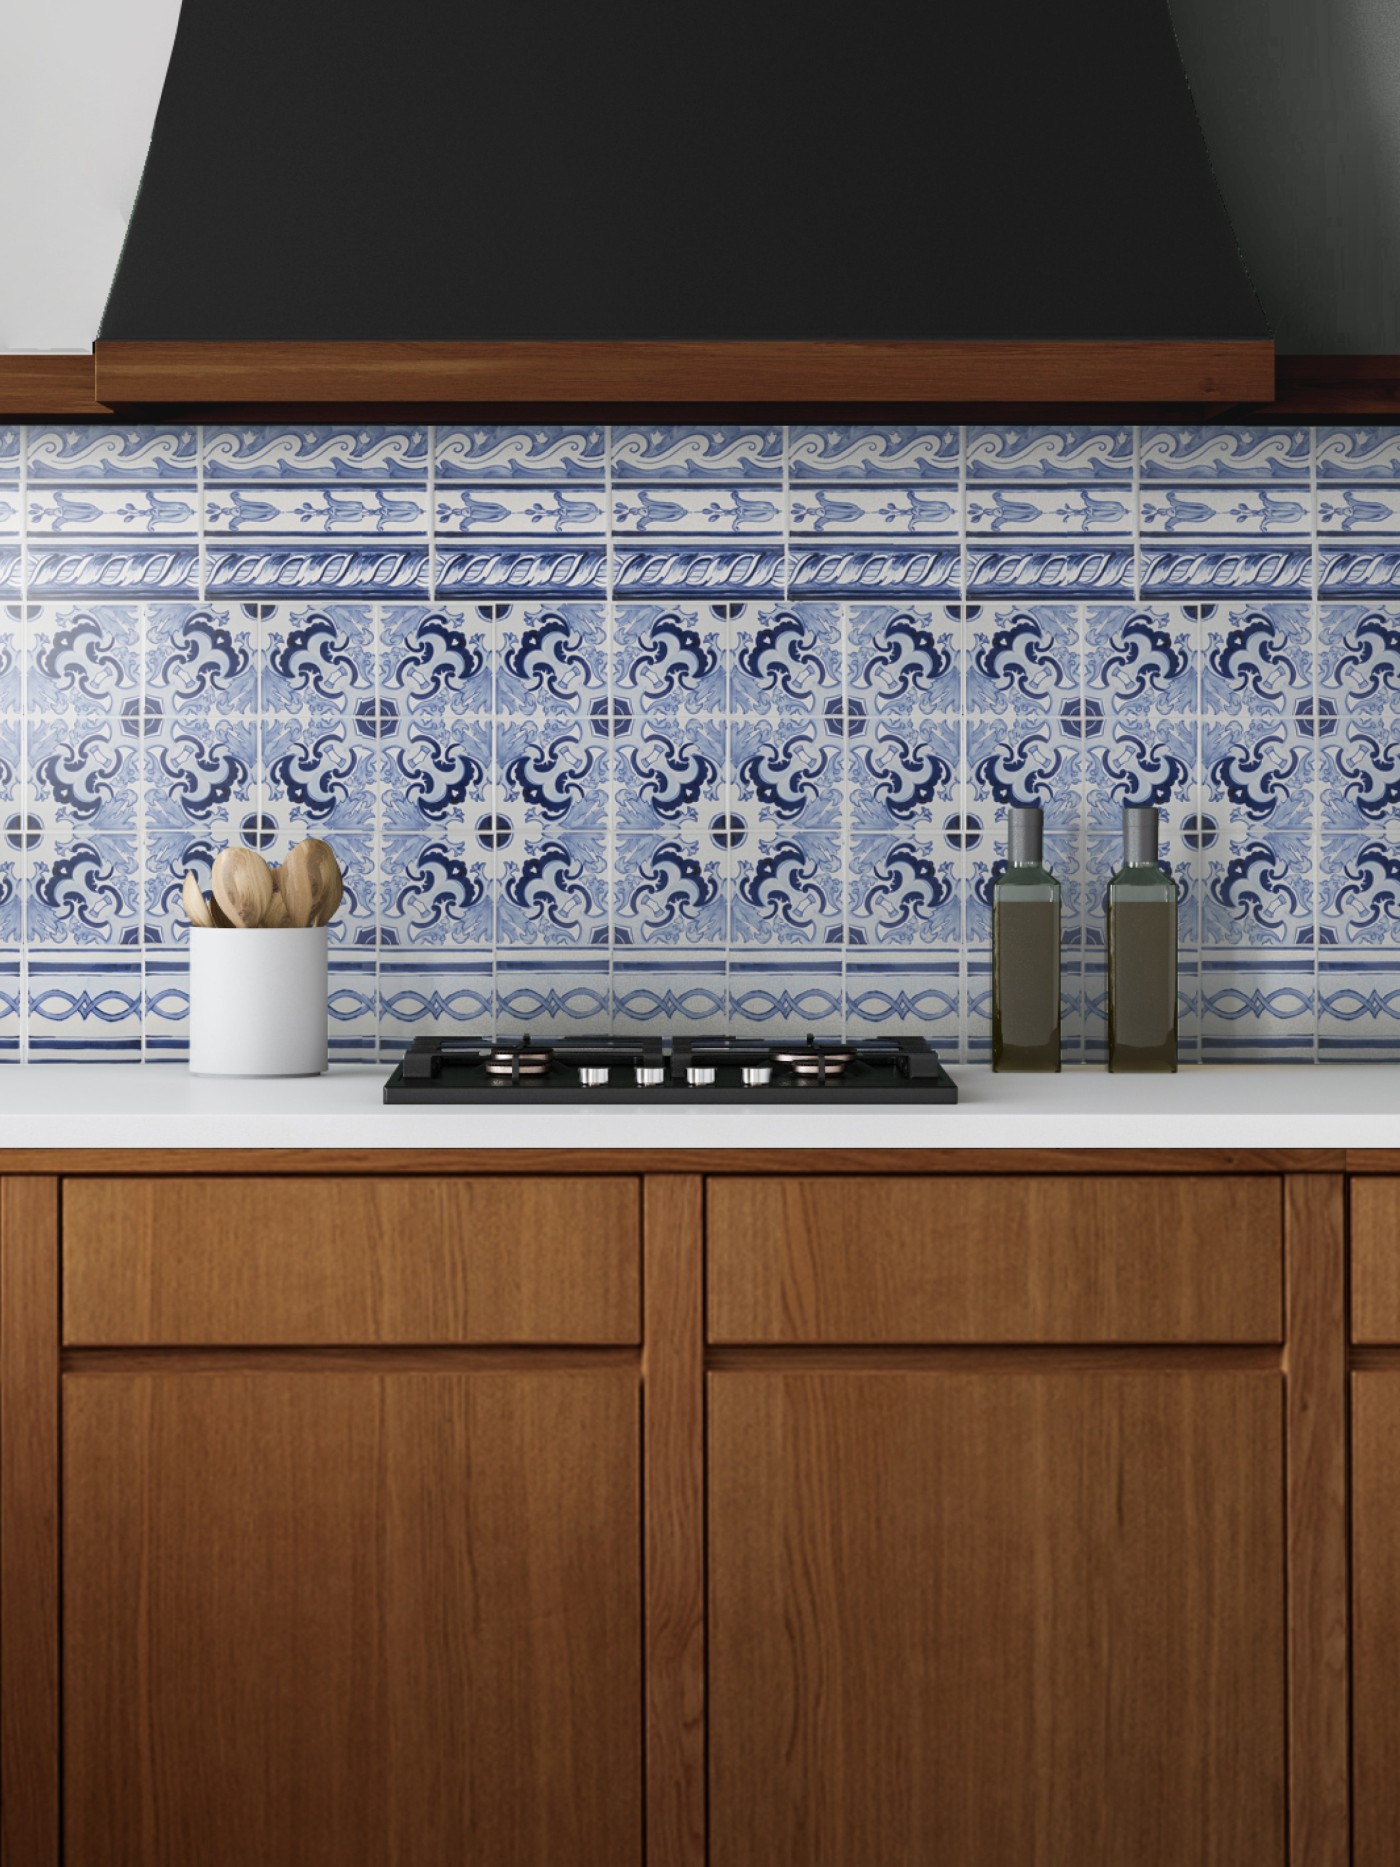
{"points": [[546, 452], [1057, 511], [788, 890], [670, 893], [342, 509], [784, 995], [858, 453], [737, 453], [905, 655], [552, 995], [1358, 1006], [1221, 452], [684, 989], [99, 453], [326, 453], [1048, 453], [703, 723], [1258, 1007], [85, 1008], [421, 994], [912, 992], [860, 511], [1225, 510]]}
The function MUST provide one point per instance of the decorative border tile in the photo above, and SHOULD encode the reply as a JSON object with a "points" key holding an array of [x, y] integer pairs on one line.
{"points": [[874, 453], [273, 571], [1225, 453], [329, 453]]}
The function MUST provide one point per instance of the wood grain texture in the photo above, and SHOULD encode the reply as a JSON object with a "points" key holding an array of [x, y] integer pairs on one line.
{"points": [[1369, 1160], [1318, 1687], [674, 1489], [1034, 1619], [421, 1163], [1204, 370], [1375, 1259], [341, 1620], [29, 1529], [49, 385], [265, 1261], [1375, 1426], [996, 1260]]}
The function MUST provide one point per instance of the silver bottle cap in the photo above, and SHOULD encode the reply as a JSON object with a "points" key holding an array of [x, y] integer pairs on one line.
{"points": [[1140, 836], [1025, 835]]}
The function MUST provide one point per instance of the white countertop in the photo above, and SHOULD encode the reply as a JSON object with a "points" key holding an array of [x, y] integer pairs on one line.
{"points": [[73, 1105]]}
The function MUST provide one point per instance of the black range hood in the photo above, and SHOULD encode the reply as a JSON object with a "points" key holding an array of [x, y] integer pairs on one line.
{"points": [[905, 183]]}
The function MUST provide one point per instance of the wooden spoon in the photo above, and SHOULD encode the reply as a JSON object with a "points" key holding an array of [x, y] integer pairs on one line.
{"points": [[242, 886], [216, 913], [311, 883], [276, 915], [195, 905]]}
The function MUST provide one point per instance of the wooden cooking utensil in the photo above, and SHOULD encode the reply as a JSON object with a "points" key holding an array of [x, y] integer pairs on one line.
{"points": [[311, 883], [216, 913], [242, 886], [276, 915], [195, 905]]}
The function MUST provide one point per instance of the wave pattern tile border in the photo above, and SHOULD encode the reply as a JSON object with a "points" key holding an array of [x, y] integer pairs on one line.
{"points": [[700, 727]]}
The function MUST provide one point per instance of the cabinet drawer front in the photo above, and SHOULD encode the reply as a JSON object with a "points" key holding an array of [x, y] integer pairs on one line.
{"points": [[1062, 1259], [253, 1262], [1375, 1260]]}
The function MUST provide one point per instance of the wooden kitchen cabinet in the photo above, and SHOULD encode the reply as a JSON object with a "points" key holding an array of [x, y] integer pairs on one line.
{"points": [[589, 1509], [343, 1618], [985, 1617]]}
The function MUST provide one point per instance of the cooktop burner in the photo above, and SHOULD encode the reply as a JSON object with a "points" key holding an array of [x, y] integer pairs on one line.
{"points": [[669, 1070]]}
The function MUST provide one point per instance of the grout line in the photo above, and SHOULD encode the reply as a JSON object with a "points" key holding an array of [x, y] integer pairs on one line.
{"points": [[143, 636], [610, 748], [1082, 849], [964, 785], [1137, 513], [493, 866], [376, 879], [787, 512], [203, 542], [432, 512], [25, 787], [844, 792], [1315, 839]]}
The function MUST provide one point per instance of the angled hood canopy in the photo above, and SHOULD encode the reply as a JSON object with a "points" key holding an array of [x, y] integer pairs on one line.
{"points": [[910, 199]]}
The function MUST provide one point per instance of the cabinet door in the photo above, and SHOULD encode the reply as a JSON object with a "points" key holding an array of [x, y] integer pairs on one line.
{"points": [[350, 1619], [967, 1619], [1376, 1616]]}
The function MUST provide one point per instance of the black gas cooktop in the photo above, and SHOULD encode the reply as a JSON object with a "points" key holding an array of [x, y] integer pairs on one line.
{"points": [[670, 1070]]}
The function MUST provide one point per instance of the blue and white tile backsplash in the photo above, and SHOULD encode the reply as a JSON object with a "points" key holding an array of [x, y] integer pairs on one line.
{"points": [[706, 727]]}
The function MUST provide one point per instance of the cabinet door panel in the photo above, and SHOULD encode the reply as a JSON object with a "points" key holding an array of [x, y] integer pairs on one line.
{"points": [[1375, 1260], [1375, 1420], [991, 1618], [349, 1620], [1014, 1259], [262, 1261]]}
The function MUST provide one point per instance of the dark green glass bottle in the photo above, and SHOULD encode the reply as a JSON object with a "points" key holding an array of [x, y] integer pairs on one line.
{"points": [[1141, 953], [1025, 951]]}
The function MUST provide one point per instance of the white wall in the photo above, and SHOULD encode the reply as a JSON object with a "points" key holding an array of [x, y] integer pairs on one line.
{"points": [[79, 84]]}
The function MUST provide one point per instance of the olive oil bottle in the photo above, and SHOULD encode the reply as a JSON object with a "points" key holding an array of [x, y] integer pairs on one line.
{"points": [[1141, 953], [1025, 951]]}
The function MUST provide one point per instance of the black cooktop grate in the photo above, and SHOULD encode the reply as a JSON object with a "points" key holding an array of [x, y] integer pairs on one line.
{"points": [[898, 1070]]}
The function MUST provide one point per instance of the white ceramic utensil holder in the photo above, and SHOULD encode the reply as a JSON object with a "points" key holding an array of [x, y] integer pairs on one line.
{"points": [[257, 1001]]}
